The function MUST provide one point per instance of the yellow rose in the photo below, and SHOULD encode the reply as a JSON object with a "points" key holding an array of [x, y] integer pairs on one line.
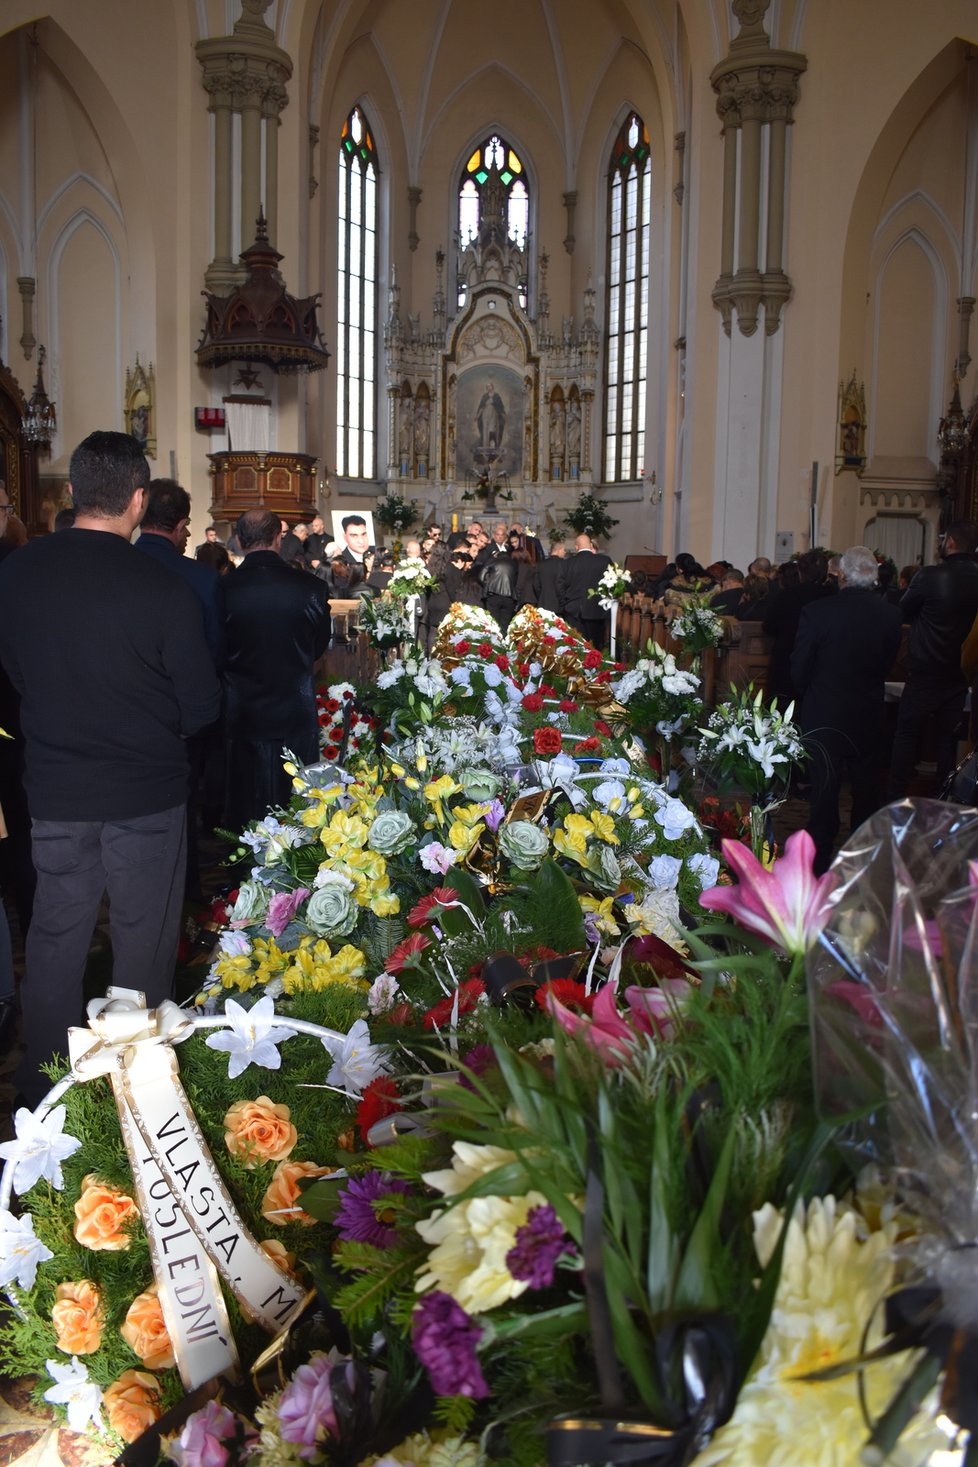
{"points": [[280, 1203], [258, 1131], [77, 1317], [132, 1403], [144, 1331], [103, 1214]]}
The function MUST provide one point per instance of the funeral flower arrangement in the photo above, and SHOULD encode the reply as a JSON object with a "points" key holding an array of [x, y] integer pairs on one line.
{"points": [[612, 586], [750, 745], [697, 625], [411, 577], [346, 730], [396, 513], [492, 1132]]}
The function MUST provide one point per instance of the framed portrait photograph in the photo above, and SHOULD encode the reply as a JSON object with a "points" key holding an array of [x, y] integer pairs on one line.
{"points": [[353, 531]]}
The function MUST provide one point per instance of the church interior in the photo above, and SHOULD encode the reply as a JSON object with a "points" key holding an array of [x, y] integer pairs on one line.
{"points": [[714, 260]]}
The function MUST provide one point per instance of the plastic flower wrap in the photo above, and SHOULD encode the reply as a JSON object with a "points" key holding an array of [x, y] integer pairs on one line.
{"points": [[895, 1035]]}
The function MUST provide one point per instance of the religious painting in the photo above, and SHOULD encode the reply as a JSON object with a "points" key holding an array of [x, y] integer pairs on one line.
{"points": [[489, 424], [851, 453], [353, 530], [140, 407]]}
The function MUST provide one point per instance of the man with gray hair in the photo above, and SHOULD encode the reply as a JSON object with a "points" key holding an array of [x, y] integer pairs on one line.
{"points": [[843, 651]]}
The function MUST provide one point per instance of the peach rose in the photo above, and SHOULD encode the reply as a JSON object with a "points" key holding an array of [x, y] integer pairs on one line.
{"points": [[132, 1403], [144, 1331], [258, 1131], [279, 1204], [77, 1317], [103, 1212], [279, 1254]]}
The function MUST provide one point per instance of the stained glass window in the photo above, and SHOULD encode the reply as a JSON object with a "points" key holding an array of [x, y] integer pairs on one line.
{"points": [[627, 302], [356, 327], [496, 152]]}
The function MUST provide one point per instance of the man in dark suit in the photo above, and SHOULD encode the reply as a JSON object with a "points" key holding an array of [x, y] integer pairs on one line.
{"points": [[163, 535], [843, 651], [584, 571], [551, 580], [356, 538], [278, 625]]}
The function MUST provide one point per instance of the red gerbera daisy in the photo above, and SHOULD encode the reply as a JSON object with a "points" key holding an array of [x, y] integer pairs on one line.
{"points": [[442, 896], [406, 952], [572, 995]]}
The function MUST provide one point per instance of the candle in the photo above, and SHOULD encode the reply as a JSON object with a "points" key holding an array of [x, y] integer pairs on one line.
{"points": [[454, 522]]}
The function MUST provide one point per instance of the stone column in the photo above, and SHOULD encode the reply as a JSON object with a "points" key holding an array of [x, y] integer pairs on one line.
{"points": [[244, 73]]}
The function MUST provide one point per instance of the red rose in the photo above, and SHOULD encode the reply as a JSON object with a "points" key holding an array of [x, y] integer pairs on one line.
{"points": [[379, 1099], [592, 660], [587, 746], [469, 994], [567, 705], [406, 952], [427, 909], [533, 703], [546, 740], [462, 647]]}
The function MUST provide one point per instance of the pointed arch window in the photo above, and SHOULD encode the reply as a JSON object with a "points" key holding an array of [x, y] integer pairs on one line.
{"points": [[627, 302], [494, 155], [356, 327]]}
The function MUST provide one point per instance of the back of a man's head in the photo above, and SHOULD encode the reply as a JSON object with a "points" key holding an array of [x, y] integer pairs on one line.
{"points": [[104, 473], [813, 566], [964, 533], [759, 567], [257, 529], [167, 505], [858, 567]]}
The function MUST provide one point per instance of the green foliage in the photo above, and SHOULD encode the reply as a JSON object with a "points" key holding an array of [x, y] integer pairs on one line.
{"points": [[590, 516]]}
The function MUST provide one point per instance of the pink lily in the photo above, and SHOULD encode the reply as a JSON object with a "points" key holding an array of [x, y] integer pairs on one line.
{"points": [[612, 1034], [787, 906]]}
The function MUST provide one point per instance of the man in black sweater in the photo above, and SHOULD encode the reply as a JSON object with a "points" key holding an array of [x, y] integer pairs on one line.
{"points": [[278, 625], [107, 651]]}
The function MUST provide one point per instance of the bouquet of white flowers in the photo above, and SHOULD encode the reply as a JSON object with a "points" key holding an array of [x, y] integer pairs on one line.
{"points": [[697, 625], [387, 622], [411, 578], [612, 586], [751, 746], [659, 692]]}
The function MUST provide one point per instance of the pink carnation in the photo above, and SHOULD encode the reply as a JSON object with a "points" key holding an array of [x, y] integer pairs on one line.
{"points": [[282, 908]]}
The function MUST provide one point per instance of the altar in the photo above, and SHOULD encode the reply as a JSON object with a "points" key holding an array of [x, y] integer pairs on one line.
{"points": [[490, 413]]}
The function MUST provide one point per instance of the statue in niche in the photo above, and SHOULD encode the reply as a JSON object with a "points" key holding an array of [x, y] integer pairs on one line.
{"points": [[490, 418], [556, 429], [422, 427], [405, 436], [573, 428]]}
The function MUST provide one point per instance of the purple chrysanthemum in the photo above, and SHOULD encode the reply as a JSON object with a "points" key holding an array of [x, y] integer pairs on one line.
{"points": [[478, 1060], [539, 1243], [445, 1341], [305, 1410], [357, 1220]]}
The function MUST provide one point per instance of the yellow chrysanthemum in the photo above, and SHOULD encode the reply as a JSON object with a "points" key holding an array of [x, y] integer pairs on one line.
{"points": [[833, 1277], [470, 1241]]}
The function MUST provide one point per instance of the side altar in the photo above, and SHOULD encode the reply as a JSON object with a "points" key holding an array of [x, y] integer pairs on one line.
{"points": [[489, 411]]}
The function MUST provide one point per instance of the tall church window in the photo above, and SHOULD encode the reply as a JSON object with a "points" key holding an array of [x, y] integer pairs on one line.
{"points": [[493, 156], [356, 328], [627, 302]]}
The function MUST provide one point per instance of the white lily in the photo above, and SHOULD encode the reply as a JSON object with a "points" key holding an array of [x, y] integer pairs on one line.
{"points": [[39, 1149], [355, 1060], [75, 1390], [21, 1252], [252, 1037]]}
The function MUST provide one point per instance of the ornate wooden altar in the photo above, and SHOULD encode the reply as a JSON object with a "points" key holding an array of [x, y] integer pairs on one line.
{"points": [[18, 459]]}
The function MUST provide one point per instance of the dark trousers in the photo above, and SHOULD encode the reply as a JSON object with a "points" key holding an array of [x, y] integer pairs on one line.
{"points": [[924, 700], [256, 781], [595, 629], [140, 864], [503, 608], [831, 754]]}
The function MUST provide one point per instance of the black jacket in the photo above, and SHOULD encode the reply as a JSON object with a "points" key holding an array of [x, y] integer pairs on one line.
{"points": [[499, 577], [781, 617], [278, 624], [203, 580], [551, 577], [107, 651], [940, 604], [845, 646], [584, 571]]}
